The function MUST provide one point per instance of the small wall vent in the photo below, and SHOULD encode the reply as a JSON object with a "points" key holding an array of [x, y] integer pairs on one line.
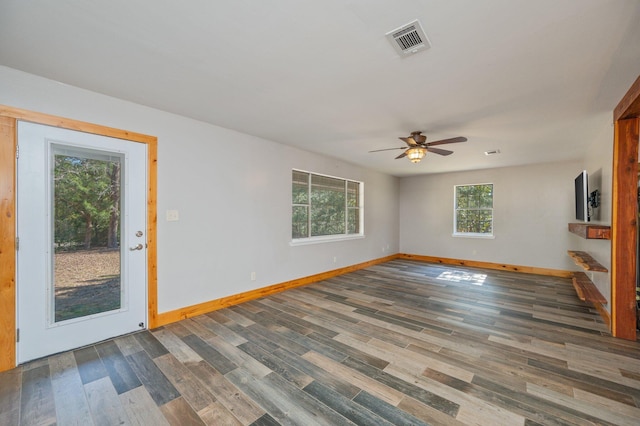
{"points": [[409, 39]]}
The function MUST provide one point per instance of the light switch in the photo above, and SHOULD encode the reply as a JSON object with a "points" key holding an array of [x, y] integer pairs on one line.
{"points": [[173, 215]]}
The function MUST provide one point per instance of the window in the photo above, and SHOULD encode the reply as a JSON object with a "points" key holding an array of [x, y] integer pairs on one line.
{"points": [[473, 206], [325, 206]]}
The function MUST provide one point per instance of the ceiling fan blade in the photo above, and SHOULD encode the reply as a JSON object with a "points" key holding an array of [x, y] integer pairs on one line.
{"points": [[439, 151], [410, 141], [404, 154], [444, 141], [388, 149]]}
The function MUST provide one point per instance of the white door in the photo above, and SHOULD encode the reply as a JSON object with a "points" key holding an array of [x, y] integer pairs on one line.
{"points": [[81, 205]]}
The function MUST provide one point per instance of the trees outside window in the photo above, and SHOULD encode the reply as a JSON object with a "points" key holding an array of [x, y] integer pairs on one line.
{"points": [[473, 210], [87, 202], [324, 206]]}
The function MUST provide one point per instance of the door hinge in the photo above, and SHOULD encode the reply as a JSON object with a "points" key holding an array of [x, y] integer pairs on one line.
{"points": [[18, 335], [17, 151], [17, 243]]}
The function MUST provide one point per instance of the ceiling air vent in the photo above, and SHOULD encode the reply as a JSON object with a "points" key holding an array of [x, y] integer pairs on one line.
{"points": [[409, 38]]}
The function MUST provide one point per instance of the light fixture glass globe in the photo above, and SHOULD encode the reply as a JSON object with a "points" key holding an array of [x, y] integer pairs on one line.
{"points": [[416, 154]]}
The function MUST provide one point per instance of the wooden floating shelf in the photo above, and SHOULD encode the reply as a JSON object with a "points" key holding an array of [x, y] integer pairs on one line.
{"points": [[591, 232], [585, 260], [586, 290]]}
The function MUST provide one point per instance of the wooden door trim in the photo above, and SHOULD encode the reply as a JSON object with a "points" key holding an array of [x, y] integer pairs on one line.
{"points": [[7, 243], [624, 229], [624, 250], [8, 143]]}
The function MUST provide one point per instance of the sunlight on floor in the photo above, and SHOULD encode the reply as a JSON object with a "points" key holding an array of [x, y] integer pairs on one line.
{"points": [[462, 276]]}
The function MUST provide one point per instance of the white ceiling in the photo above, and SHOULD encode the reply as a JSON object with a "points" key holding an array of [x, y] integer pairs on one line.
{"points": [[531, 78]]}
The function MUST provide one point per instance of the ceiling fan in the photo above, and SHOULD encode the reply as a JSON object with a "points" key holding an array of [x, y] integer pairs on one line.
{"points": [[418, 146]]}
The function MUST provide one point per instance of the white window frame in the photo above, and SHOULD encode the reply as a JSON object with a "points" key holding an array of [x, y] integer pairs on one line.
{"points": [[455, 216], [334, 237]]}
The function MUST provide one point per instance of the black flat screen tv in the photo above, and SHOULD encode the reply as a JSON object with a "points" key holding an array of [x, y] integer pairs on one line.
{"points": [[582, 197]]}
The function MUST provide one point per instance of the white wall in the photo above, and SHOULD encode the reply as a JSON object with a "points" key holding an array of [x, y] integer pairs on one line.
{"points": [[532, 207], [233, 194]]}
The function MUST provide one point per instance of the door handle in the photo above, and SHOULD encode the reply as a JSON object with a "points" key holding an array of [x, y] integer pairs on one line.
{"points": [[138, 247]]}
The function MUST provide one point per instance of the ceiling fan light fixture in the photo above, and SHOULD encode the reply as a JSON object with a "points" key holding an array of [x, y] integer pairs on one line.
{"points": [[416, 154]]}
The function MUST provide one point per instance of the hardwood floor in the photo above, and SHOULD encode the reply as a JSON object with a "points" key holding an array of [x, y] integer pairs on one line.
{"points": [[402, 343]]}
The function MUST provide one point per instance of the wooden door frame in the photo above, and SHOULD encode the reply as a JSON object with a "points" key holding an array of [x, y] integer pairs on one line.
{"points": [[8, 150], [624, 223]]}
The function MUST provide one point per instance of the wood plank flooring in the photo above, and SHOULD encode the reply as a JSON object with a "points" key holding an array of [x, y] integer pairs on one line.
{"points": [[400, 343]]}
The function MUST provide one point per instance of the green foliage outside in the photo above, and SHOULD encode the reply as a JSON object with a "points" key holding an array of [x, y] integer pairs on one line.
{"points": [[87, 203], [324, 206], [474, 209]]}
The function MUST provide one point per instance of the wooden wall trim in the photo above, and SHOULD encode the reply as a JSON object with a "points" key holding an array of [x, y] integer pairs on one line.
{"points": [[152, 227], [624, 229], [212, 305], [8, 119], [224, 302], [489, 265], [67, 123], [7, 243], [629, 105]]}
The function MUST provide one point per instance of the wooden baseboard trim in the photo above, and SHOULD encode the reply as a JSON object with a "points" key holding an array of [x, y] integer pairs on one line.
{"points": [[488, 265], [224, 302], [504, 267]]}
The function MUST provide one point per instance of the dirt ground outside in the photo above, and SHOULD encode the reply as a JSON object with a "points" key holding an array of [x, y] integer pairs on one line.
{"points": [[86, 282]]}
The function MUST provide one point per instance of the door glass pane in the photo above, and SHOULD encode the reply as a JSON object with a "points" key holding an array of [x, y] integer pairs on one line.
{"points": [[86, 200]]}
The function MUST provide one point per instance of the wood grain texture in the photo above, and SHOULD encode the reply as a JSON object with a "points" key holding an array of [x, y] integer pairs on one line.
{"points": [[7, 242], [185, 382], [586, 290], [591, 232], [10, 387], [89, 364], [71, 402], [213, 305], [629, 105], [140, 408], [117, 367], [402, 342], [67, 123], [586, 261], [156, 383], [104, 403], [217, 415], [624, 229], [179, 413], [37, 404], [487, 265], [152, 232]]}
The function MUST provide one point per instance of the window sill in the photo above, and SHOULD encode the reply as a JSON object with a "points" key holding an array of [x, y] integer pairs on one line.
{"points": [[481, 236], [324, 239]]}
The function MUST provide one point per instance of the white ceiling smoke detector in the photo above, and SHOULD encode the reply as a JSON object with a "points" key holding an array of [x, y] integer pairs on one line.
{"points": [[409, 39]]}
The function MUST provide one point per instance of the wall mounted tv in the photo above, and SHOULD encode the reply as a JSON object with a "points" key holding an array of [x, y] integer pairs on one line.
{"points": [[582, 197]]}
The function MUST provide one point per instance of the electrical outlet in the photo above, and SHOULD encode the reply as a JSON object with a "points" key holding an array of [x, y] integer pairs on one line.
{"points": [[173, 216]]}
